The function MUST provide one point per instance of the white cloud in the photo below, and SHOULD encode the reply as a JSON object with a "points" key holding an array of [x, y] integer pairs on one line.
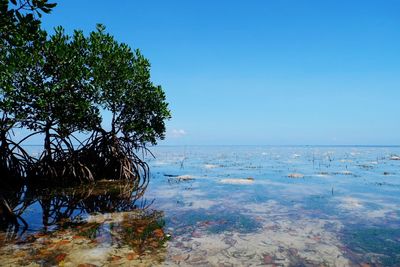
{"points": [[176, 133]]}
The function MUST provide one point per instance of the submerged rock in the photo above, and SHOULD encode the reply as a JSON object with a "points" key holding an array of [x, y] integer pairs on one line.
{"points": [[210, 166], [115, 239], [248, 180], [185, 177], [296, 175], [180, 178], [343, 173]]}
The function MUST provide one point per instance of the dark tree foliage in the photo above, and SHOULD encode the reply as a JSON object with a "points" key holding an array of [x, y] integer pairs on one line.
{"points": [[122, 77], [60, 102], [137, 107], [60, 96], [57, 85], [19, 21], [20, 38]]}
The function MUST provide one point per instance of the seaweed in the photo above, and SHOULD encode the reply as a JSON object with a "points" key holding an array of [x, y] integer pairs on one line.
{"points": [[216, 221], [375, 244]]}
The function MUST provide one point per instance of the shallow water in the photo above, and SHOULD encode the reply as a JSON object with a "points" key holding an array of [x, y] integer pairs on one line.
{"points": [[222, 206]]}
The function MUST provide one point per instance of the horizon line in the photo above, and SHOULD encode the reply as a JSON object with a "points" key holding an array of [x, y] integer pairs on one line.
{"points": [[291, 145], [281, 145]]}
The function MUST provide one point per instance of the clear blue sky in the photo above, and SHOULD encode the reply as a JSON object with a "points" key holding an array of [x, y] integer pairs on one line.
{"points": [[263, 72]]}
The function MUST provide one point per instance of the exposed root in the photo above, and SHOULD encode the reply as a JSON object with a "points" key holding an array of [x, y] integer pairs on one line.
{"points": [[60, 164], [108, 157], [14, 162], [103, 156]]}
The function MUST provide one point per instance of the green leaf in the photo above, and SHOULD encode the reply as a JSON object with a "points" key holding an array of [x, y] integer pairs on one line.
{"points": [[50, 5]]}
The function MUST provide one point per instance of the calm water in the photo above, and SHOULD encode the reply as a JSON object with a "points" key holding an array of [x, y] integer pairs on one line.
{"points": [[220, 206]]}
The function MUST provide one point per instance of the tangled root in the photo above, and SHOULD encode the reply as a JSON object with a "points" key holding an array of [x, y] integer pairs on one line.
{"points": [[60, 165], [14, 162], [104, 156], [108, 157]]}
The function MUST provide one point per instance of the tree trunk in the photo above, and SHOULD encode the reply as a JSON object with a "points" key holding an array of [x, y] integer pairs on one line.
{"points": [[47, 144]]}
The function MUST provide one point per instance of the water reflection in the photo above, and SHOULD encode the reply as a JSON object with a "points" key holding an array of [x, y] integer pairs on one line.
{"points": [[62, 204], [13, 203], [97, 223]]}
